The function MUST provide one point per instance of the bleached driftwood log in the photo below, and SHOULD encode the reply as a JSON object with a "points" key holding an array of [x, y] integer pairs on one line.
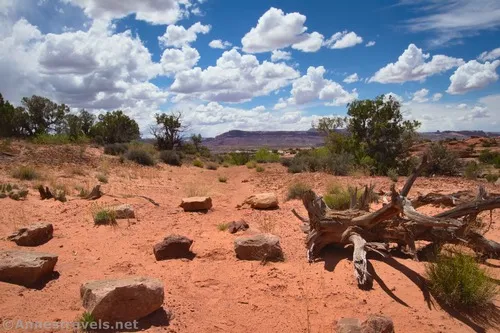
{"points": [[396, 222]]}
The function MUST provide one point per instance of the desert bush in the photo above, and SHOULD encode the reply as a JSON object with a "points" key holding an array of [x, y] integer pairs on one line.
{"points": [[83, 191], [13, 192], [196, 190], [225, 165], [442, 161], [102, 178], [25, 173], [259, 168], [251, 164], [296, 190], [140, 156], [171, 157], [341, 164], [286, 162], [472, 170], [223, 179], [320, 159], [393, 175], [103, 215], [60, 195], [234, 158], [337, 197], [222, 226], [491, 178], [263, 155], [198, 163], [115, 149], [460, 282], [51, 139], [212, 166], [87, 322], [491, 142], [490, 157]]}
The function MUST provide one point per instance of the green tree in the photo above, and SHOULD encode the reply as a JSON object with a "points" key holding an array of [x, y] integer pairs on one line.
{"points": [[168, 131], [43, 115], [10, 120], [73, 127], [113, 127], [87, 120], [377, 128], [196, 139]]}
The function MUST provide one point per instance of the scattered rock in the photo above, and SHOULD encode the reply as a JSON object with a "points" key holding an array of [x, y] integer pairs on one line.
{"points": [[195, 204], [125, 299], [262, 201], [33, 235], [26, 268], [173, 247], [258, 247], [377, 324], [236, 226], [124, 212], [348, 325], [374, 324]]}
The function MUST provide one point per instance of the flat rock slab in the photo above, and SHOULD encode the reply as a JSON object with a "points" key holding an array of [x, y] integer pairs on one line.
{"points": [[262, 201], [173, 247], [124, 212], [125, 299], [196, 204], [26, 268], [33, 235], [374, 324], [258, 247]]}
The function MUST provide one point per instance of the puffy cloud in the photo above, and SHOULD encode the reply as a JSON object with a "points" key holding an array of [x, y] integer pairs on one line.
{"points": [[152, 11], [473, 75], [259, 108], [491, 55], [235, 78], [278, 55], [352, 78], [412, 66], [394, 96], [277, 30], [314, 86], [282, 104], [370, 43], [178, 36], [219, 44], [420, 96], [436, 97], [178, 60], [477, 112], [342, 40]]}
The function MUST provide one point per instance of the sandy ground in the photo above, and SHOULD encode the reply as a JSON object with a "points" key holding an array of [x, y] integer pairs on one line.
{"points": [[214, 292]]}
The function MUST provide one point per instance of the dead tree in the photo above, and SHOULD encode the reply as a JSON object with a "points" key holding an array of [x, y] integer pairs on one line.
{"points": [[397, 222]]}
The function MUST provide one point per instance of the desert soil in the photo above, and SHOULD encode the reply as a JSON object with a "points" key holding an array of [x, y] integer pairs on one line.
{"points": [[215, 292]]}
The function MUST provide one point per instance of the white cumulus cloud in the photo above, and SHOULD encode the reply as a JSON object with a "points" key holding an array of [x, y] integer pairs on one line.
{"points": [[420, 96], [278, 55], [472, 76], [342, 40], [178, 36], [219, 44], [352, 78], [436, 97], [370, 43], [491, 55], [412, 65]]}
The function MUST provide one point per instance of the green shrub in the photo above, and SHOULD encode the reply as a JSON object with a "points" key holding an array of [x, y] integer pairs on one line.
{"points": [[222, 226], [104, 216], [296, 190], [460, 282], [259, 168], [341, 164], [198, 163], [320, 159], [337, 197], [223, 179], [115, 149], [489, 157], [60, 195], [442, 161], [102, 178], [251, 164], [87, 322], [296, 167], [472, 170], [25, 173], [263, 155], [13, 192], [212, 166], [225, 165], [237, 158], [491, 178], [286, 162], [393, 175], [171, 157], [58, 139], [140, 156]]}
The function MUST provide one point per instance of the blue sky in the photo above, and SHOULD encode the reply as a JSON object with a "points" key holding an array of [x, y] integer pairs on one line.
{"points": [[256, 65]]}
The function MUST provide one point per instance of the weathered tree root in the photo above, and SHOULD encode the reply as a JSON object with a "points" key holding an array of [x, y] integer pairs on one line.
{"points": [[396, 222]]}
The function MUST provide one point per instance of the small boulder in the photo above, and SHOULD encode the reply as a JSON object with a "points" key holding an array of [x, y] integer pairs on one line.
{"points": [[26, 268], [124, 212], [33, 235], [348, 325], [125, 299], [262, 201], [258, 247], [377, 324], [236, 226], [195, 204], [173, 247]]}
